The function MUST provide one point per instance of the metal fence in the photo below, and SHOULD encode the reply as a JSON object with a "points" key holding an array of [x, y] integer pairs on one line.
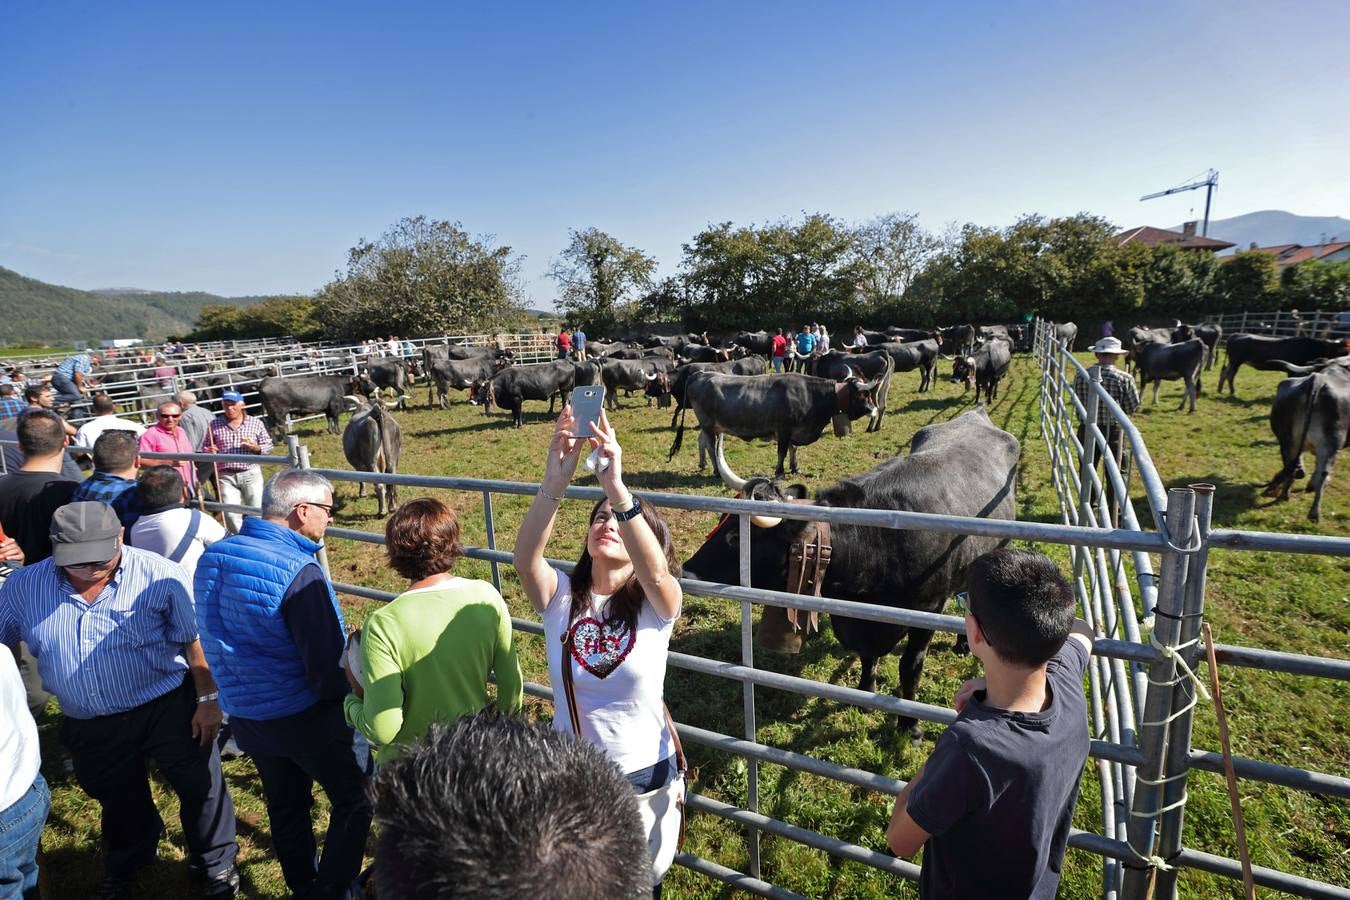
{"points": [[1141, 693], [1318, 323]]}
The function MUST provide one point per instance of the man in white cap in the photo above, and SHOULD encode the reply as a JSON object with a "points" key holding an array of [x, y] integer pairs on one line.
{"points": [[1120, 387], [235, 431], [115, 636]]}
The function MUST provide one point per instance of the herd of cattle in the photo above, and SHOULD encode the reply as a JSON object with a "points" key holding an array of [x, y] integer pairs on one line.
{"points": [[966, 466]]}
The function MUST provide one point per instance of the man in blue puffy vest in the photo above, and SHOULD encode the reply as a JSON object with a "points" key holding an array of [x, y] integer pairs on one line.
{"points": [[273, 633]]}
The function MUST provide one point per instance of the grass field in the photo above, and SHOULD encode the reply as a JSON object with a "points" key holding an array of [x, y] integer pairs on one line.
{"points": [[1291, 603]]}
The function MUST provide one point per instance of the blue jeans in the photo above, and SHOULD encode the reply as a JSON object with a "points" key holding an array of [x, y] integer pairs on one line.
{"points": [[20, 828], [778, 363], [66, 390]]}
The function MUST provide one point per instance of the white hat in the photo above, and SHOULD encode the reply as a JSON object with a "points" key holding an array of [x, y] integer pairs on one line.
{"points": [[1108, 345]]}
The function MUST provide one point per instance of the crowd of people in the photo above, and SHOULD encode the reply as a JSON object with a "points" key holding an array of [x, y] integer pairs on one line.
{"points": [[160, 632]]}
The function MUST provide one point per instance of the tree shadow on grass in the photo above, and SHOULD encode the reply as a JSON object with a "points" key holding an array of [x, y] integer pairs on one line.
{"points": [[487, 423], [665, 481]]}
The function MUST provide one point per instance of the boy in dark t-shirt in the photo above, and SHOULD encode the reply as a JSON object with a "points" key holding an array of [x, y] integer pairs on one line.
{"points": [[993, 803]]}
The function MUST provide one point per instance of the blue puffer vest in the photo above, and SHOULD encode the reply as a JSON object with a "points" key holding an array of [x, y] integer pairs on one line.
{"points": [[239, 585]]}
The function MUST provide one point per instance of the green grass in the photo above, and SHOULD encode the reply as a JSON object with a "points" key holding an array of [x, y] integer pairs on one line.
{"points": [[1291, 603]]}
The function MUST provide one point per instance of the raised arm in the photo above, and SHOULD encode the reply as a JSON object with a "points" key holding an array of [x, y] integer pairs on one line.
{"points": [[661, 588], [560, 464]]}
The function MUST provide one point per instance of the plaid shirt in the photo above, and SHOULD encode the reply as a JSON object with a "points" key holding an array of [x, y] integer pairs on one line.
{"points": [[221, 438], [114, 490], [1118, 385], [10, 407]]}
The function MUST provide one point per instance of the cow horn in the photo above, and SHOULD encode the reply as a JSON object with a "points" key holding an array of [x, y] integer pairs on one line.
{"points": [[946, 357], [766, 521], [651, 377], [729, 478]]}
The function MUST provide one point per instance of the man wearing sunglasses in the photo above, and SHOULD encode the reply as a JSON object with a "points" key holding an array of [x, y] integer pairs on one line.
{"points": [[115, 638], [166, 437], [273, 632]]}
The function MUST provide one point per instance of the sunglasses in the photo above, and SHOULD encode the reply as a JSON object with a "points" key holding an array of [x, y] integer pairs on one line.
{"points": [[170, 415]]}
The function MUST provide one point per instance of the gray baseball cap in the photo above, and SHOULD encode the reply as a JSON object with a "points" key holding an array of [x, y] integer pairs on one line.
{"points": [[84, 533]]}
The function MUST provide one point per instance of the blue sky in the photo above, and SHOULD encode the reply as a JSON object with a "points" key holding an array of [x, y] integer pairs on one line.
{"points": [[245, 147]]}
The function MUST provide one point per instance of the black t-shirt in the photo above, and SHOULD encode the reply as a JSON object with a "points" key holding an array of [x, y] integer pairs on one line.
{"points": [[27, 502], [997, 795]]}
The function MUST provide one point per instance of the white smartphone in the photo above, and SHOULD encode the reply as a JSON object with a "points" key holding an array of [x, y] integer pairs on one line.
{"points": [[587, 402]]}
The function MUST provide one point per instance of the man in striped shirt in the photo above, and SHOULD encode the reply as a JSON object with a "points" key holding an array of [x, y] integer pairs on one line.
{"points": [[115, 636], [235, 431]]}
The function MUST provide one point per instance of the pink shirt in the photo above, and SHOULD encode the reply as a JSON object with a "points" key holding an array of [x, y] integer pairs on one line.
{"points": [[157, 440]]}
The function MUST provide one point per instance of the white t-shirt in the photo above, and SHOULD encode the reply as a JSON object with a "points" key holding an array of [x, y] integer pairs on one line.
{"points": [[90, 430], [19, 758], [162, 533], [620, 687]]}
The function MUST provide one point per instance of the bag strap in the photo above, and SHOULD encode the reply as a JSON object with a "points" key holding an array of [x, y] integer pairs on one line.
{"points": [[681, 761], [567, 682], [194, 525]]}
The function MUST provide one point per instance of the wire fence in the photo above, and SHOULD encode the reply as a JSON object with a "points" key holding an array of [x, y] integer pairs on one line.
{"points": [[1317, 323], [1141, 693]]}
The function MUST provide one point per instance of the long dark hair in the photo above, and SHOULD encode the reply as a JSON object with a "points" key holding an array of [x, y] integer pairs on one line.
{"points": [[626, 603]]}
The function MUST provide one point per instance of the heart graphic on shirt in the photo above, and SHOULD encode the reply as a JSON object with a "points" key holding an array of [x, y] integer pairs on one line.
{"points": [[599, 647]]}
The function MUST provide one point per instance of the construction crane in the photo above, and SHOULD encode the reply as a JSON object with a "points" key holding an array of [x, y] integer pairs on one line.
{"points": [[1210, 182]]}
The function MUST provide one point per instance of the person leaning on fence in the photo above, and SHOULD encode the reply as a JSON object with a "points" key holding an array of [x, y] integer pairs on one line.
{"points": [[141, 691], [427, 655], [166, 524], [993, 803], [272, 630], [114, 479], [1120, 386], [497, 808], [234, 431], [73, 377], [607, 628]]}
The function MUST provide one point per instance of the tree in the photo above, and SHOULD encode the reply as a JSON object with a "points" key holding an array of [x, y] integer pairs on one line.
{"points": [[1247, 280], [422, 277], [1315, 285], [893, 249], [598, 276]]}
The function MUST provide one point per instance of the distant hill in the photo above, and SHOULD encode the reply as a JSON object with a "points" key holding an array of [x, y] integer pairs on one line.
{"points": [[36, 312], [1275, 226]]}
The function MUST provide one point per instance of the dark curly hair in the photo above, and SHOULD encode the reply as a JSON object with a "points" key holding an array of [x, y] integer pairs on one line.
{"points": [[421, 539]]}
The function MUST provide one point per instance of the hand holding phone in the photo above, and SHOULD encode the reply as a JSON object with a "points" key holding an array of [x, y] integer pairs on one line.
{"points": [[587, 402]]}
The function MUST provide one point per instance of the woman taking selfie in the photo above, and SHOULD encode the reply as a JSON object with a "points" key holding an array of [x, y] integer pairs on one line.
{"points": [[607, 627], [426, 656]]}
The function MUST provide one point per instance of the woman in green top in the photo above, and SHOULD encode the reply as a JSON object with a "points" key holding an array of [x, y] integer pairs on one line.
{"points": [[426, 656]]}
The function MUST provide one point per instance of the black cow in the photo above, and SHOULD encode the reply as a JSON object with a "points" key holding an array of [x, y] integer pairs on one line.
{"points": [[899, 335], [461, 375], [511, 387], [1210, 333], [1266, 352], [393, 373], [1158, 361], [757, 342], [630, 375], [1310, 412], [957, 339], [965, 467], [327, 394], [874, 365], [1140, 335], [679, 379], [984, 368], [601, 349], [921, 355], [372, 442], [702, 353], [587, 372], [791, 408], [1066, 332]]}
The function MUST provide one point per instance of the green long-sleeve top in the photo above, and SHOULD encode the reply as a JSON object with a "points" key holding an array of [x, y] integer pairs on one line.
{"points": [[426, 657]]}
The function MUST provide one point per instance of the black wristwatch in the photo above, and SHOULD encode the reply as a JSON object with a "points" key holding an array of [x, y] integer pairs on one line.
{"points": [[630, 514]]}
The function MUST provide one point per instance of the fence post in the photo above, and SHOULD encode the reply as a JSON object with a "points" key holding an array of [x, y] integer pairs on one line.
{"points": [[748, 660], [1158, 703], [492, 539], [1184, 696], [302, 461]]}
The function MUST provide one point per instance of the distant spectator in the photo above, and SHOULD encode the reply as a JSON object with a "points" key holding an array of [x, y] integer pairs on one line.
{"points": [[859, 342], [564, 343], [164, 374], [393, 345], [579, 344], [822, 340], [11, 404], [516, 810], [166, 526], [114, 478], [73, 377], [30, 495], [779, 349], [234, 431], [1108, 328], [196, 419], [166, 437], [105, 419], [428, 654], [806, 345], [1121, 388], [409, 349]]}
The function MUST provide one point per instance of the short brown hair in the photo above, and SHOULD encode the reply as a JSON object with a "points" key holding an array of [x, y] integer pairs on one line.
{"points": [[422, 539]]}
